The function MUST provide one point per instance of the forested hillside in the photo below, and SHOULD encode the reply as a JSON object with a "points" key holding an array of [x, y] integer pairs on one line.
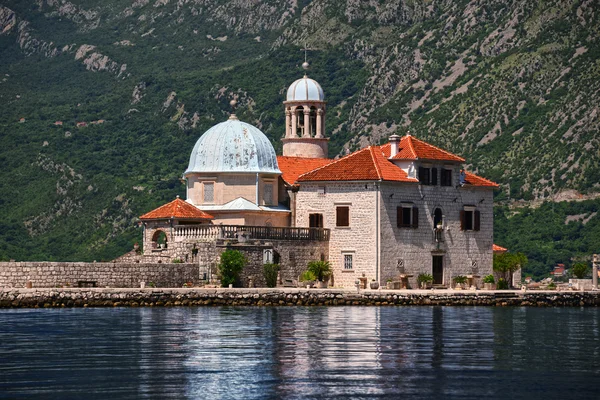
{"points": [[101, 103]]}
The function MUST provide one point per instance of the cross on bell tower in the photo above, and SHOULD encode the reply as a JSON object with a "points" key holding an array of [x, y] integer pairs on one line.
{"points": [[305, 108]]}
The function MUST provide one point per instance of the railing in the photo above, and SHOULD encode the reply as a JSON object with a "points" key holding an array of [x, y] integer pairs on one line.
{"points": [[210, 232]]}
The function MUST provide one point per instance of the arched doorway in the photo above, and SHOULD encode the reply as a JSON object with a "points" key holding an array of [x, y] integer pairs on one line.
{"points": [[159, 240]]}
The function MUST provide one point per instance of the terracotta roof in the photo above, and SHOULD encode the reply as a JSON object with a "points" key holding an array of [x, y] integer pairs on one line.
{"points": [[498, 249], [177, 209], [476, 180], [292, 167], [367, 164], [411, 148]]}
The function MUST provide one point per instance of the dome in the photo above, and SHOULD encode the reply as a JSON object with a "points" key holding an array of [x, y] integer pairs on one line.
{"points": [[305, 89], [233, 146]]}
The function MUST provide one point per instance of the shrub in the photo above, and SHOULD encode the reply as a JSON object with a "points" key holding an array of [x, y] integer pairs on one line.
{"points": [[177, 261], [502, 284], [270, 271], [579, 270], [307, 276], [232, 263], [489, 279], [320, 269]]}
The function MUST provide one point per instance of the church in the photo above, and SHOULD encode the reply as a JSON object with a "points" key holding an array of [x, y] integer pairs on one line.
{"points": [[383, 213]]}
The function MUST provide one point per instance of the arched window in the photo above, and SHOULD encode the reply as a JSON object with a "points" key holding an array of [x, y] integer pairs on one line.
{"points": [[437, 217], [313, 121], [159, 240]]}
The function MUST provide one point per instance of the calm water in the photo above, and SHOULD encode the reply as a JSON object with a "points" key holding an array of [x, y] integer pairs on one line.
{"points": [[336, 352]]}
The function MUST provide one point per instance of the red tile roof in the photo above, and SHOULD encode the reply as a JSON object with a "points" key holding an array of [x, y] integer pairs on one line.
{"points": [[364, 165], [411, 148], [498, 249], [178, 209], [293, 167], [476, 180]]}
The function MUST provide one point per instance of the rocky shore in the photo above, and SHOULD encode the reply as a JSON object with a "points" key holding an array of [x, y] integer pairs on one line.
{"points": [[162, 297]]}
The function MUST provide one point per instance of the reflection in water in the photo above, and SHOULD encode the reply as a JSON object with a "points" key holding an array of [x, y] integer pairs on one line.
{"points": [[300, 352]]}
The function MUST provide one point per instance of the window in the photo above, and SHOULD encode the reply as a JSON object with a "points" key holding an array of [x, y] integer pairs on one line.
{"points": [[348, 261], [470, 219], [446, 177], [209, 192], [428, 176], [321, 191], [408, 216], [315, 220], [342, 216], [268, 193]]}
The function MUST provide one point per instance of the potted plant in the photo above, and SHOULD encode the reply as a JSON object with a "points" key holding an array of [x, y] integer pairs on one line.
{"points": [[459, 281], [307, 279], [425, 280], [321, 270], [489, 283], [374, 284], [389, 284]]}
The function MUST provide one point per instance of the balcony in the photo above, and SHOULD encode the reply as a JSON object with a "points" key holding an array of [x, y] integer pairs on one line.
{"points": [[213, 232]]}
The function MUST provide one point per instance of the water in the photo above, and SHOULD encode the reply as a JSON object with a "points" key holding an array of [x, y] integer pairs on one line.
{"points": [[319, 352]]}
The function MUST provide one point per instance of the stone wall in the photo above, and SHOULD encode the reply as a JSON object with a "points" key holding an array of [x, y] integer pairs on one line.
{"points": [[47, 298], [294, 257], [119, 275]]}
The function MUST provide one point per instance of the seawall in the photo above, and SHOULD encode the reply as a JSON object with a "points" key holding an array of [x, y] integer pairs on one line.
{"points": [[153, 297], [46, 274]]}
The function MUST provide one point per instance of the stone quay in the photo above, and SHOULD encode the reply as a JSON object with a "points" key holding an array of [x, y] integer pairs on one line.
{"points": [[169, 297]]}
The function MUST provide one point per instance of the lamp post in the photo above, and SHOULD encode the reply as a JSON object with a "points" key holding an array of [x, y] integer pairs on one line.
{"points": [[595, 262]]}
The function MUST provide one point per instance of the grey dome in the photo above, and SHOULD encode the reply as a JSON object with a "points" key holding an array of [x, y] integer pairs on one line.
{"points": [[305, 89], [233, 146]]}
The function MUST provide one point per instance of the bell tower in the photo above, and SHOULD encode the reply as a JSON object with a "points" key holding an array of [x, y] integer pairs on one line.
{"points": [[305, 109]]}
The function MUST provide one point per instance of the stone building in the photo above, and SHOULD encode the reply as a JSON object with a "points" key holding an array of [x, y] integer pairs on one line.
{"points": [[387, 212]]}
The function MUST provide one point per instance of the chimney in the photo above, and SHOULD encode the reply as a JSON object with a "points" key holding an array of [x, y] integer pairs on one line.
{"points": [[394, 144]]}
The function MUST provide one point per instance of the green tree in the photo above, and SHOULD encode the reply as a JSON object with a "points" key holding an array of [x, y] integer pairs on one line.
{"points": [[232, 263], [580, 270], [270, 271], [508, 263]]}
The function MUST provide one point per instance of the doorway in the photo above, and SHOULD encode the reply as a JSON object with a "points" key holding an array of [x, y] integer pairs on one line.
{"points": [[438, 270], [315, 220]]}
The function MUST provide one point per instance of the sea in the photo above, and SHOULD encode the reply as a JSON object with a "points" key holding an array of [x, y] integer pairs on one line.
{"points": [[300, 353]]}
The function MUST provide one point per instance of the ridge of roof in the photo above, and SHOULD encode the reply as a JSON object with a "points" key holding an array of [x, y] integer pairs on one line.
{"points": [[411, 148], [177, 209], [379, 175]]}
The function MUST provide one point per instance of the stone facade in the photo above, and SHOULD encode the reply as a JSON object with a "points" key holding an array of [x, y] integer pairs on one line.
{"points": [[410, 251], [357, 240]]}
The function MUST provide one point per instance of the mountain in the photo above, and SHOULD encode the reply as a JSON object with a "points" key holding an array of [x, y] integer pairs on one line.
{"points": [[101, 102]]}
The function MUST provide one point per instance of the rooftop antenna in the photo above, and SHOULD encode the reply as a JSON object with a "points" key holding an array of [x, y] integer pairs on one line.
{"points": [[233, 104]]}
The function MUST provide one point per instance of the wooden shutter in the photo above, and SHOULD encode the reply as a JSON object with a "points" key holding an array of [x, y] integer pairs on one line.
{"points": [[342, 216], [415, 221], [477, 222], [462, 220], [434, 176]]}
